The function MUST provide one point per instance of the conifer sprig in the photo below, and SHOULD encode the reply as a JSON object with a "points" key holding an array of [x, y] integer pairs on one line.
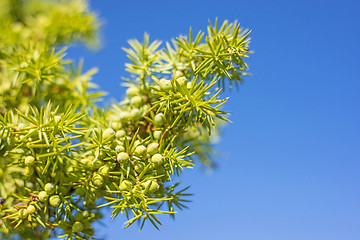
{"points": [[63, 157]]}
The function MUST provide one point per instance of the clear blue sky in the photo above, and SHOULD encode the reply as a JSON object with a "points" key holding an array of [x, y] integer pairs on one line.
{"points": [[290, 162]]}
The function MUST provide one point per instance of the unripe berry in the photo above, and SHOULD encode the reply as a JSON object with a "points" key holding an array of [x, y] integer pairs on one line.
{"points": [[124, 116], [77, 227], [23, 213], [120, 133], [152, 148], [119, 148], [43, 196], [136, 101], [97, 180], [55, 200], [31, 209], [115, 124], [87, 162], [178, 74], [154, 186], [132, 91], [97, 163], [159, 119], [104, 170], [145, 108], [140, 150], [108, 133], [125, 185], [85, 214], [156, 158], [136, 143], [157, 134], [28, 171], [123, 157], [29, 160], [135, 114], [139, 167], [49, 188], [181, 81], [165, 84]]}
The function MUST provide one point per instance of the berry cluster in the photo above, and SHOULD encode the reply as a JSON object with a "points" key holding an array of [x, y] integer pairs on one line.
{"points": [[63, 157]]}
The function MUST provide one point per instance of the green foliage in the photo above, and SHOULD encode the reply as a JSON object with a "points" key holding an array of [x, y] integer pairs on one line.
{"points": [[62, 157]]}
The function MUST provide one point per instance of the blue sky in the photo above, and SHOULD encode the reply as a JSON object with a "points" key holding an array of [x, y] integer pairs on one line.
{"points": [[290, 161]]}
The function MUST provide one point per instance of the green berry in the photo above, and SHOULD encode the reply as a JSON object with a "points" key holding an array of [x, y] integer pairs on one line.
{"points": [[55, 200], [23, 213], [28, 171], [125, 185], [43, 196], [140, 150], [178, 74], [97, 180], [104, 170], [120, 133], [145, 108], [157, 134], [132, 91], [77, 227], [29, 160], [119, 148], [135, 113], [124, 116], [87, 162], [96, 163], [181, 81], [108, 133], [123, 157], [154, 186], [115, 124], [159, 119], [85, 214], [136, 101], [156, 158], [139, 167], [152, 148], [31, 209], [49, 188], [165, 84], [136, 143]]}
